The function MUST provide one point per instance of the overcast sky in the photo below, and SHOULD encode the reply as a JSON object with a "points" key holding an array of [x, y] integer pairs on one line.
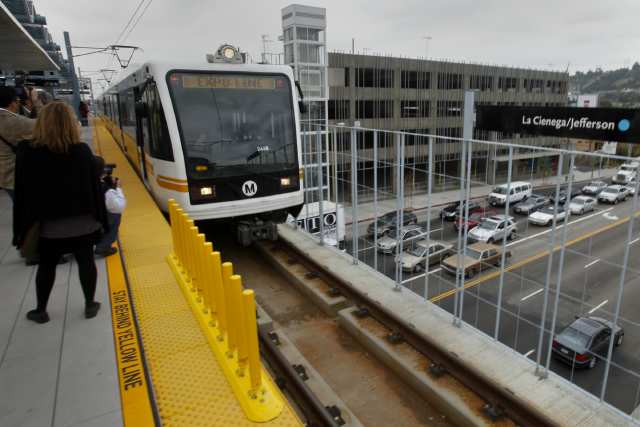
{"points": [[546, 34]]}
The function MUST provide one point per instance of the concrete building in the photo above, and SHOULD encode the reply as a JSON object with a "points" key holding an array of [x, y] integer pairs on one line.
{"points": [[35, 24], [426, 97]]}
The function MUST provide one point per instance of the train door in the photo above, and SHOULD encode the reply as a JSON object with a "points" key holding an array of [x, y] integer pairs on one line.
{"points": [[142, 133]]}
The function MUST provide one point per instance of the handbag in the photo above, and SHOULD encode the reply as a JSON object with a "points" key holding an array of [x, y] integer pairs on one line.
{"points": [[29, 247]]}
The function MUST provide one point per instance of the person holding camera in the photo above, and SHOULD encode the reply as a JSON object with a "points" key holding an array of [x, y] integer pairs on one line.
{"points": [[115, 202]]}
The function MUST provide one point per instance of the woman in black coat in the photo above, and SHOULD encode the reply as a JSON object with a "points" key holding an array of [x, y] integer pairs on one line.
{"points": [[58, 196]]}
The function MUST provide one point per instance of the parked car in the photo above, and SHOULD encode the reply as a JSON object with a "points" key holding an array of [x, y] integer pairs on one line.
{"points": [[580, 342], [582, 204], [415, 258], [409, 233], [594, 188], [450, 212], [389, 220], [474, 218], [545, 216], [493, 229], [518, 191], [631, 186], [614, 194], [478, 257], [562, 196], [530, 205]]}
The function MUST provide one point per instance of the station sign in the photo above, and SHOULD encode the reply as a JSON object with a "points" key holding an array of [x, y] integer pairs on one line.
{"points": [[604, 124]]}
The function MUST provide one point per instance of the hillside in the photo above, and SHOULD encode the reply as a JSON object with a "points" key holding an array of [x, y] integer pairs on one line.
{"points": [[619, 87]]}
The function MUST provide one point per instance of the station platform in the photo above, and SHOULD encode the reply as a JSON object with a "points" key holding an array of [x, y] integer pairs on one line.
{"points": [[143, 361]]}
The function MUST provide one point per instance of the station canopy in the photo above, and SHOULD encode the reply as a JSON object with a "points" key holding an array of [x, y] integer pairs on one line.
{"points": [[18, 50]]}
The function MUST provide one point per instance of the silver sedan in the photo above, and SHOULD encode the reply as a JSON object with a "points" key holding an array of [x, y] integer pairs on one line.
{"points": [[582, 204]]}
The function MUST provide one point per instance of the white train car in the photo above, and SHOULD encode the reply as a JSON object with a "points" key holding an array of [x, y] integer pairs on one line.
{"points": [[221, 137]]}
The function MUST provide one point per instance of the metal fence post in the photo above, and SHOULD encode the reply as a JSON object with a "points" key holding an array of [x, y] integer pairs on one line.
{"points": [[460, 276], [429, 203], [560, 262], [305, 158], [335, 183], [375, 200], [547, 281], [399, 206], [320, 185], [354, 197], [504, 244], [469, 148], [623, 274]]}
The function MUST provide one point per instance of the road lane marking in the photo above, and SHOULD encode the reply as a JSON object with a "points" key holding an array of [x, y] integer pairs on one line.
{"points": [[529, 353], [598, 306], [634, 241], [532, 294], [421, 275], [531, 259], [592, 263], [609, 216], [558, 227]]}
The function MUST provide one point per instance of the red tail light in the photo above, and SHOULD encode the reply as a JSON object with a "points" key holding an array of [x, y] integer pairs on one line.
{"points": [[582, 357], [555, 344]]}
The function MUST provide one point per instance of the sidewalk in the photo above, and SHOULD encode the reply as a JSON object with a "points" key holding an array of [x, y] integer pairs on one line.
{"points": [[62, 373], [418, 202]]}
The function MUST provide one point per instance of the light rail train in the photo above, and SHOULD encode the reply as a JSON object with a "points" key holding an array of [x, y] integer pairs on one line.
{"points": [[222, 138]]}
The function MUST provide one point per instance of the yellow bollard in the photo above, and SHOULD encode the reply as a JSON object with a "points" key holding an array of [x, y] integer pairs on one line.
{"points": [[208, 291], [187, 246], [201, 270], [218, 294], [172, 205], [193, 256], [180, 234], [232, 327], [251, 327], [238, 318]]}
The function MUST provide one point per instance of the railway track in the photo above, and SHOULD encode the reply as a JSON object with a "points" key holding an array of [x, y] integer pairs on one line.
{"points": [[371, 392], [500, 405]]}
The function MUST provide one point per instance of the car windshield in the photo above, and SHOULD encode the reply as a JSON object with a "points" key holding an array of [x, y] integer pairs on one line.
{"points": [[548, 210], [610, 191], [575, 337], [418, 251], [489, 225], [472, 253], [233, 123], [596, 184], [500, 190], [579, 201], [627, 168]]}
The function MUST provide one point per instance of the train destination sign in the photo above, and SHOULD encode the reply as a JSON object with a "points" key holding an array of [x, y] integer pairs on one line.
{"points": [[606, 124], [204, 81]]}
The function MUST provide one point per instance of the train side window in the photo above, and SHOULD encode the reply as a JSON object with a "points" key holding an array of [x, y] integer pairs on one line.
{"points": [[160, 144]]}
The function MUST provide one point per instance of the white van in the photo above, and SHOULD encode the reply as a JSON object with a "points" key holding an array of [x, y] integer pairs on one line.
{"points": [[519, 190]]}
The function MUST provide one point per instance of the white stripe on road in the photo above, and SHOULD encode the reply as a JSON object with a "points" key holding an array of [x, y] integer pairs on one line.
{"points": [[598, 306], [558, 227], [532, 294], [422, 275], [529, 353], [592, 263]]}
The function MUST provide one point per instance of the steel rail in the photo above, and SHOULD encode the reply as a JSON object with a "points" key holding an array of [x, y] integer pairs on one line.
{"points": [[287, 378], [500, 398]]}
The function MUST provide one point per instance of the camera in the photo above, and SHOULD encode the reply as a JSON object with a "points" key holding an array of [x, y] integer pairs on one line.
{"points": [[108, 168]]}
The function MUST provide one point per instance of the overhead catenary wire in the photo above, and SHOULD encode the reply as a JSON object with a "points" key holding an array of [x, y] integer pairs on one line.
{"points": [[131, 18], [135, 24]]}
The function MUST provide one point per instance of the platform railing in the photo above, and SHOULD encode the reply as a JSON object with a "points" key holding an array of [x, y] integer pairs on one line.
{"points": [[226, 313]]}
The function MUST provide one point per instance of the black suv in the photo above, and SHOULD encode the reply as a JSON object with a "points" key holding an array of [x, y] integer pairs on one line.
{"points": [[449, 212]]}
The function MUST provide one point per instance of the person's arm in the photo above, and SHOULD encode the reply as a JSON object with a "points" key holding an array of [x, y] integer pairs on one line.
{"points": [[23, 128], [115, 200]]}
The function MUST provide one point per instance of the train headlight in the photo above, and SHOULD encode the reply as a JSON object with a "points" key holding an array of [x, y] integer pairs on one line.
{"points": [[206, 191], [288, 181], [285, 182], [228, 52]]}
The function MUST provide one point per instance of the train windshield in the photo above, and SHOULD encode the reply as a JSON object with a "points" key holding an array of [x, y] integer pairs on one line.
{"points": [[234, 124]]}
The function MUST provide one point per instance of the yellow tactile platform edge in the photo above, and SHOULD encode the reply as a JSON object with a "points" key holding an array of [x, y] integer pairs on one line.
{"points": [[190, 387]]}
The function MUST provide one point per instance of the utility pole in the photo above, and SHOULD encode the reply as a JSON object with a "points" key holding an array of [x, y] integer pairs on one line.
{"points": [[72, 73]]}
